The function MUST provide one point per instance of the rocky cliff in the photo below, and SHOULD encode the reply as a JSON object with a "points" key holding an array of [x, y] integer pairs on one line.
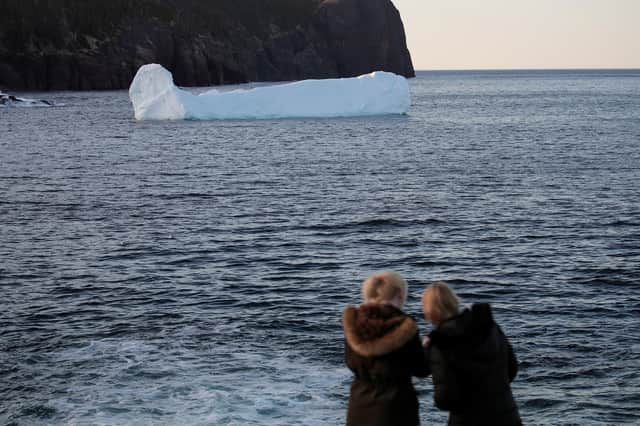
{"points": [[97, 44]]}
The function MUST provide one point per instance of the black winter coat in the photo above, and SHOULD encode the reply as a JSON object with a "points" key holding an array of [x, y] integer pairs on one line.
{"points": [[383, 350], [473, 364]]}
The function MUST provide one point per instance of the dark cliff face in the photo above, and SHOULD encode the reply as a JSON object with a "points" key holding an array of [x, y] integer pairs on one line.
{"points": [[96, 44], [364, 35]]}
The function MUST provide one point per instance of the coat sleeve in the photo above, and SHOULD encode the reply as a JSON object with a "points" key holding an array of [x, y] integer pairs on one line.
{"points": [[419, 361], [446, 382], [512, 363], [348, 356]]}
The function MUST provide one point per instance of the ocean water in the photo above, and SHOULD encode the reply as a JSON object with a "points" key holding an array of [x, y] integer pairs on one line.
{"points": [[195, 272]]}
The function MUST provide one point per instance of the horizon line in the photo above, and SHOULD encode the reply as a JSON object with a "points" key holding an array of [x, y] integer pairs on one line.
{"points": [[530, 69]]}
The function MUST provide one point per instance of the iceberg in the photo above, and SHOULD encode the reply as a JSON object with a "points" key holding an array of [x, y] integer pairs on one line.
{"points": [[155, 97]]}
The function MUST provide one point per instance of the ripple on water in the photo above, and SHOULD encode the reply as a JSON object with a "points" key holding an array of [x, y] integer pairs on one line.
{"points": [[195, 272]]}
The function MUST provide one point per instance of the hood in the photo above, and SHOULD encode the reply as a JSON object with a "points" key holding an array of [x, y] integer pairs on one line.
{"points": [[470, 338], [377, 329], [471, 324]]}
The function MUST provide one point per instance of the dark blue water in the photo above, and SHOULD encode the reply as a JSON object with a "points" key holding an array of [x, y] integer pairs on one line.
{"points": [[195, 272]]}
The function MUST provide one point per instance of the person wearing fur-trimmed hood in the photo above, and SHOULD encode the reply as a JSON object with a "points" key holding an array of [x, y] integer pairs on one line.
{"points": [[383, 350]]}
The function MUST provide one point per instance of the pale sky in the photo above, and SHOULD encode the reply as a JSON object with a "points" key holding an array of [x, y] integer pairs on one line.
{"points": [[499, 34]]}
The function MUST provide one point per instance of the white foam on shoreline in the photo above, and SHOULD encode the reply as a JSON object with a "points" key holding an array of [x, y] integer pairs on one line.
{"points": [[116, 381], [155, 97]]}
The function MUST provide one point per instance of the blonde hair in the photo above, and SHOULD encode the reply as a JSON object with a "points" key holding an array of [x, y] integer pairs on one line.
{"points": [[384, 287], [439, 302]]}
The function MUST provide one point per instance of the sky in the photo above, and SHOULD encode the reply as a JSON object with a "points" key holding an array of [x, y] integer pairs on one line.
{"points": [[517, 34]]}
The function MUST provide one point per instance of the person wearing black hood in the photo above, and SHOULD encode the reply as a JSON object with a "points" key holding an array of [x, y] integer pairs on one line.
{"points": [[383, 349], [471, 361]]}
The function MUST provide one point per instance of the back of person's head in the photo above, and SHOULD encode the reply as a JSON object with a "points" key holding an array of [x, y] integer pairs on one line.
{"points": [[385, 287], [439, 302]]}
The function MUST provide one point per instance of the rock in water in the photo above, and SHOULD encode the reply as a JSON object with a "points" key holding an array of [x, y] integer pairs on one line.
{"points": [[14, 101], [155, 97]]}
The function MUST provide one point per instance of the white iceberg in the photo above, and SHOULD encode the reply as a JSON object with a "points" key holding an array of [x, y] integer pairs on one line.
{"points": [[155, 97]]}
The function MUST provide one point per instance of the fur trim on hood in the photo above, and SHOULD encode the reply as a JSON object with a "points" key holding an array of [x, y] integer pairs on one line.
{"points": [[377, 329]]}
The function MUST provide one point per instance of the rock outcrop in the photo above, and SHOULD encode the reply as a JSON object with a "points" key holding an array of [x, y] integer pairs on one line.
{"points": [[92, 44], [14, 101]]}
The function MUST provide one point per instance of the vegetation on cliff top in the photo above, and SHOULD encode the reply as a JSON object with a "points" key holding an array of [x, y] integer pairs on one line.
{"points": [[44, 25]]}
